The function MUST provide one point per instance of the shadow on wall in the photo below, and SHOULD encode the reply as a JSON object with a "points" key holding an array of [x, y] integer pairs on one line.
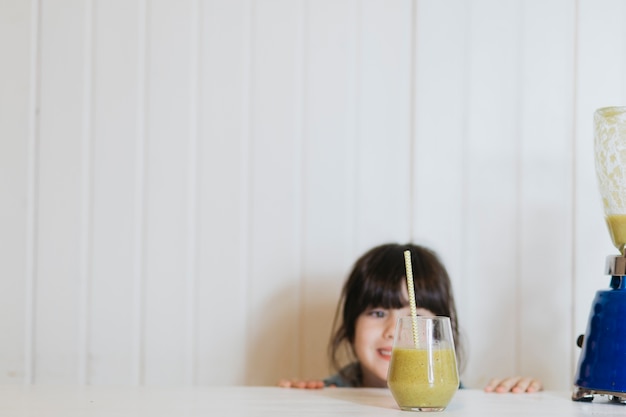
{"points": [[318, 316], [289, 337]]}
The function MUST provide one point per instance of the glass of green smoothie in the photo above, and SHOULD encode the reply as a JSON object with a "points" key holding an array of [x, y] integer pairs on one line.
{"points": [[423, 374]]}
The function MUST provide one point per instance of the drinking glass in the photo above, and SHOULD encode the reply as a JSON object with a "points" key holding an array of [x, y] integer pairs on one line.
{"points": [[423, 373]]}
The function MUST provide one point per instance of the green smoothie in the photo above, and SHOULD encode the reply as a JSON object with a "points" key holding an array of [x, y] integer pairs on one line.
{"points": [[412, 386]]}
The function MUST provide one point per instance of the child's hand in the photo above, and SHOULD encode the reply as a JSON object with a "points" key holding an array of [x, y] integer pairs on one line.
{"points": [[296, 383], [514, 384]]}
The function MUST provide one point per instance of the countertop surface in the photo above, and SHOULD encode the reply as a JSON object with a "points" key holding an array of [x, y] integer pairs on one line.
{"points": [[68, 401]]}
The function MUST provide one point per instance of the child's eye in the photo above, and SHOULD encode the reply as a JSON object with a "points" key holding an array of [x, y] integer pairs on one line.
{"points": [[377, 313]]}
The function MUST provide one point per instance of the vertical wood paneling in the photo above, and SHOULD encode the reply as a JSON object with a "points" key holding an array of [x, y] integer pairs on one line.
{"points": [[59, 199], [16, 33], [32, 187], [491, 263], [440, 134], [545, 193], [274, 283], [86, 196], [186, 184], [329, 120], [221, 287], [115, 201], [139, 197], [384, 126], [192, 194], [166, 191]]}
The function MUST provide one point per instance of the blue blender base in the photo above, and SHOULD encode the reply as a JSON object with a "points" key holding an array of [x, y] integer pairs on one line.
{"points": [[602, 363]]}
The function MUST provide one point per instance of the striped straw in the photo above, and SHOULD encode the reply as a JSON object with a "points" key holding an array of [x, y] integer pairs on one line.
{"points": [[411, 291]]}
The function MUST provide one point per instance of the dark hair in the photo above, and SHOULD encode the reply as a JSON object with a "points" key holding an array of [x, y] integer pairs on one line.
{"points": [[377, 280]]}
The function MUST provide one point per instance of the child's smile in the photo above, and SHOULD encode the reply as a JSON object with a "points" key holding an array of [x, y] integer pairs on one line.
{"points": [[373, 341]]}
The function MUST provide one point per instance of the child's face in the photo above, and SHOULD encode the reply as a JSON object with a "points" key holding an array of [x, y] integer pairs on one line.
{"points": [[373, 340]]}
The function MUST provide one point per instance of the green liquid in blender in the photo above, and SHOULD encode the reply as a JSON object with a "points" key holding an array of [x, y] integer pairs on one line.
{"points": [[617, 229]]}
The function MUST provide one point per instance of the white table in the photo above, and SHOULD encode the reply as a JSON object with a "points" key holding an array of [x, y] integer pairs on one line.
{"points": [[52, 401]]}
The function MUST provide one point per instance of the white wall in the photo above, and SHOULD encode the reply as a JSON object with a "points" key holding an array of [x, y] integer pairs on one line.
{"points": [[185, 184]]}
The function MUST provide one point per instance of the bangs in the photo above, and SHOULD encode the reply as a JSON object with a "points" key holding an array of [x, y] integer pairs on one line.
{"points": [[384, 292], [428, 298]]}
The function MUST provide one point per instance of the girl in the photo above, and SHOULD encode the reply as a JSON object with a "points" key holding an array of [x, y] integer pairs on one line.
{"points": [[373, 298]]}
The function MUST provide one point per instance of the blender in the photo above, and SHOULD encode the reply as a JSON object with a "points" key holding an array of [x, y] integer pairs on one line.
{"points": [[602, 362]]}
